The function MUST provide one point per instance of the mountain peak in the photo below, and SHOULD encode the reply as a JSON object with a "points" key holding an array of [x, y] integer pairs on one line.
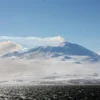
{"points": [[64, 44]]}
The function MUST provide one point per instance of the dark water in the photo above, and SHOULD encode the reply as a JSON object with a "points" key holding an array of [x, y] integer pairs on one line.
{"points": [[50, 93]]}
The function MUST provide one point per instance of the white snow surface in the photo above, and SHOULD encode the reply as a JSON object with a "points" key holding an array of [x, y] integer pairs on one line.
{"points": [[21, 71]]}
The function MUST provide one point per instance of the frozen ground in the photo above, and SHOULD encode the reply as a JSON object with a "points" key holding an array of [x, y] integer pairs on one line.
{"points": [[39, 71]]}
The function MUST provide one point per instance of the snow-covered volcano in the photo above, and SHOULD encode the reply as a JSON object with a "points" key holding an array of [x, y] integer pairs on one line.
{"points": [[64, 51]]}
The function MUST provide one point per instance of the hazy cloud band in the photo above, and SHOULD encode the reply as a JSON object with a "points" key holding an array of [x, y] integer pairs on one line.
{"points": [[30, 42]]}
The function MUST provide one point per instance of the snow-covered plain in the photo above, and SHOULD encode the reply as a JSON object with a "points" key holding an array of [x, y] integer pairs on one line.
{"points": [[21, 71]]}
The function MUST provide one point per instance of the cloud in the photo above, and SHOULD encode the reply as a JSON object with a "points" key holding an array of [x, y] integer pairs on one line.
{"points": [[30, 42], [98, 53], [9, 46]]}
